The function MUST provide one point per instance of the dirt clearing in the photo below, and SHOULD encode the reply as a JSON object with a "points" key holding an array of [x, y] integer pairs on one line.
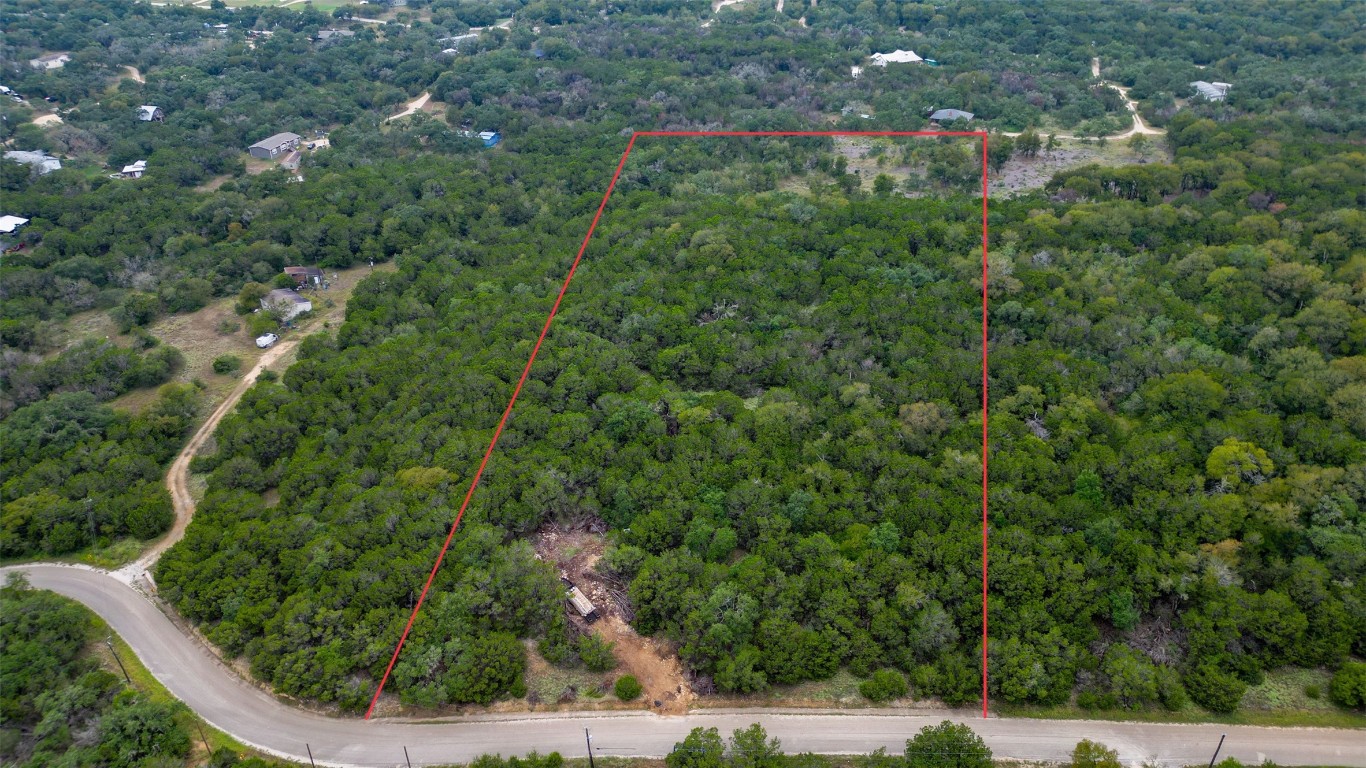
{"points": [[575, 553], [1021, 173]]}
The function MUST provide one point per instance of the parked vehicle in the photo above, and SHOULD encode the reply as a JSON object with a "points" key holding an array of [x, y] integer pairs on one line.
{"points": [[266, 340]]}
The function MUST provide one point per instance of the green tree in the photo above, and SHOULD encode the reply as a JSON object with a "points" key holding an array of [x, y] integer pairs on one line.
{"points": [[751, 748], [1236, 462], [136, 731], [740, 673], [1349, 685], [1091, 754], [596, 653], [249, 298], [884, 685], [1214, 689], [947, 745], [703, 748], [490, 666]]}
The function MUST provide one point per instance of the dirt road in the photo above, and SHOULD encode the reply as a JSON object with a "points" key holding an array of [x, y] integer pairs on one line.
{"points": [[1138, 127], [177, 479], [413, 106], [135, 74]]}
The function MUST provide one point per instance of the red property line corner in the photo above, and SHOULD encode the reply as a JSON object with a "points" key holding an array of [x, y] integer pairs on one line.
{"points": [[555, 308]]}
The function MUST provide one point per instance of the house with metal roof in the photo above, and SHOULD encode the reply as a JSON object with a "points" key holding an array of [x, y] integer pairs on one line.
{"points": [[945, 115], [273, 147], [148, 113], [1211, 91], [895, 57], [42, 162], [288, 303]]}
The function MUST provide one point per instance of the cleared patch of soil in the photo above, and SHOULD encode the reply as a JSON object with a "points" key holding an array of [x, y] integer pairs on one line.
{"points": [[214, 183], [1021, 173], [576, 553]]}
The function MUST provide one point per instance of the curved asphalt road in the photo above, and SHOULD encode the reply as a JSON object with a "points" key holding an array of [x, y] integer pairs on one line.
{"points": [[198, 678]]}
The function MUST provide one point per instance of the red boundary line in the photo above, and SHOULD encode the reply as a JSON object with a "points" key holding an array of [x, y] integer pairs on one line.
{"points": [[555, 308]]}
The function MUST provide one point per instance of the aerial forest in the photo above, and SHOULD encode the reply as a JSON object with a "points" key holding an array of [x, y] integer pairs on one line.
{"points": [[765, 381]]}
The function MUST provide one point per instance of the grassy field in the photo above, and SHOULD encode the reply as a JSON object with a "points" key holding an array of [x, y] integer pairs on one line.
{"points": [[200, 337]]}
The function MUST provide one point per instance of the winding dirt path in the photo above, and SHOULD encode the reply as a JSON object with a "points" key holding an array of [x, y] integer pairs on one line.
{"points": [[177, 478], [134, 73], [413, 106], [1138, 127]]}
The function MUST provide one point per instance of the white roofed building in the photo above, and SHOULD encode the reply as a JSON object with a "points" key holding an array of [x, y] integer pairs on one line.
{"points": [[1211, 91], [10, 224], [895, 57], [42, 162]]}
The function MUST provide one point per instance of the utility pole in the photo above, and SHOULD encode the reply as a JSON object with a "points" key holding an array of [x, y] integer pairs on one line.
{"points": [[406, 759], [203, 738], [1216, 750], [588, 739], [109, 641], [310, 755]]}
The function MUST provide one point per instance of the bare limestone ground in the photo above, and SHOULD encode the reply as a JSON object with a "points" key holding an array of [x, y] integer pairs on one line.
{"points": [[575, 553]]}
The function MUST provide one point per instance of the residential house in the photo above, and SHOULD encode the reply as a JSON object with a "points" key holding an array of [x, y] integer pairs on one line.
{"points": [[490, 138], [305, 275], [458, 40], [134, 171], [454, 44], [11, 224], [50, 61], [895, 57], [287, 302], [42, 162], [148, 113], [1211, 91], [947, 115], [290, 162], [273, 147], [324, 35]]}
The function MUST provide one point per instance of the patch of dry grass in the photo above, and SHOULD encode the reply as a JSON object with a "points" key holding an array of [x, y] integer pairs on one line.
{"points": [[197, 336]]}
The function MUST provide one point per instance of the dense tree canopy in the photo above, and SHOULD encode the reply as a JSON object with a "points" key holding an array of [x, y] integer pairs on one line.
{"points": [[765, 379]]}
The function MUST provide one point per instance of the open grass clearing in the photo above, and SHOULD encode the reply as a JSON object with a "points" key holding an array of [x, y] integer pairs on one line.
{"points": [[199, 338]]}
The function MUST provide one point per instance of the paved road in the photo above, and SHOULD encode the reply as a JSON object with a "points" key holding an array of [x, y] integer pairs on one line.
{"points": [[236, 707]]}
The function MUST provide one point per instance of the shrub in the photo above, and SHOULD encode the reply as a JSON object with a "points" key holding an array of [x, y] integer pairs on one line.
{"points": [[227, 364], [884, 685], [1214, 689], [1313, 692], [1349, 685], [262, 322], [627, 688], [596, 653]]}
